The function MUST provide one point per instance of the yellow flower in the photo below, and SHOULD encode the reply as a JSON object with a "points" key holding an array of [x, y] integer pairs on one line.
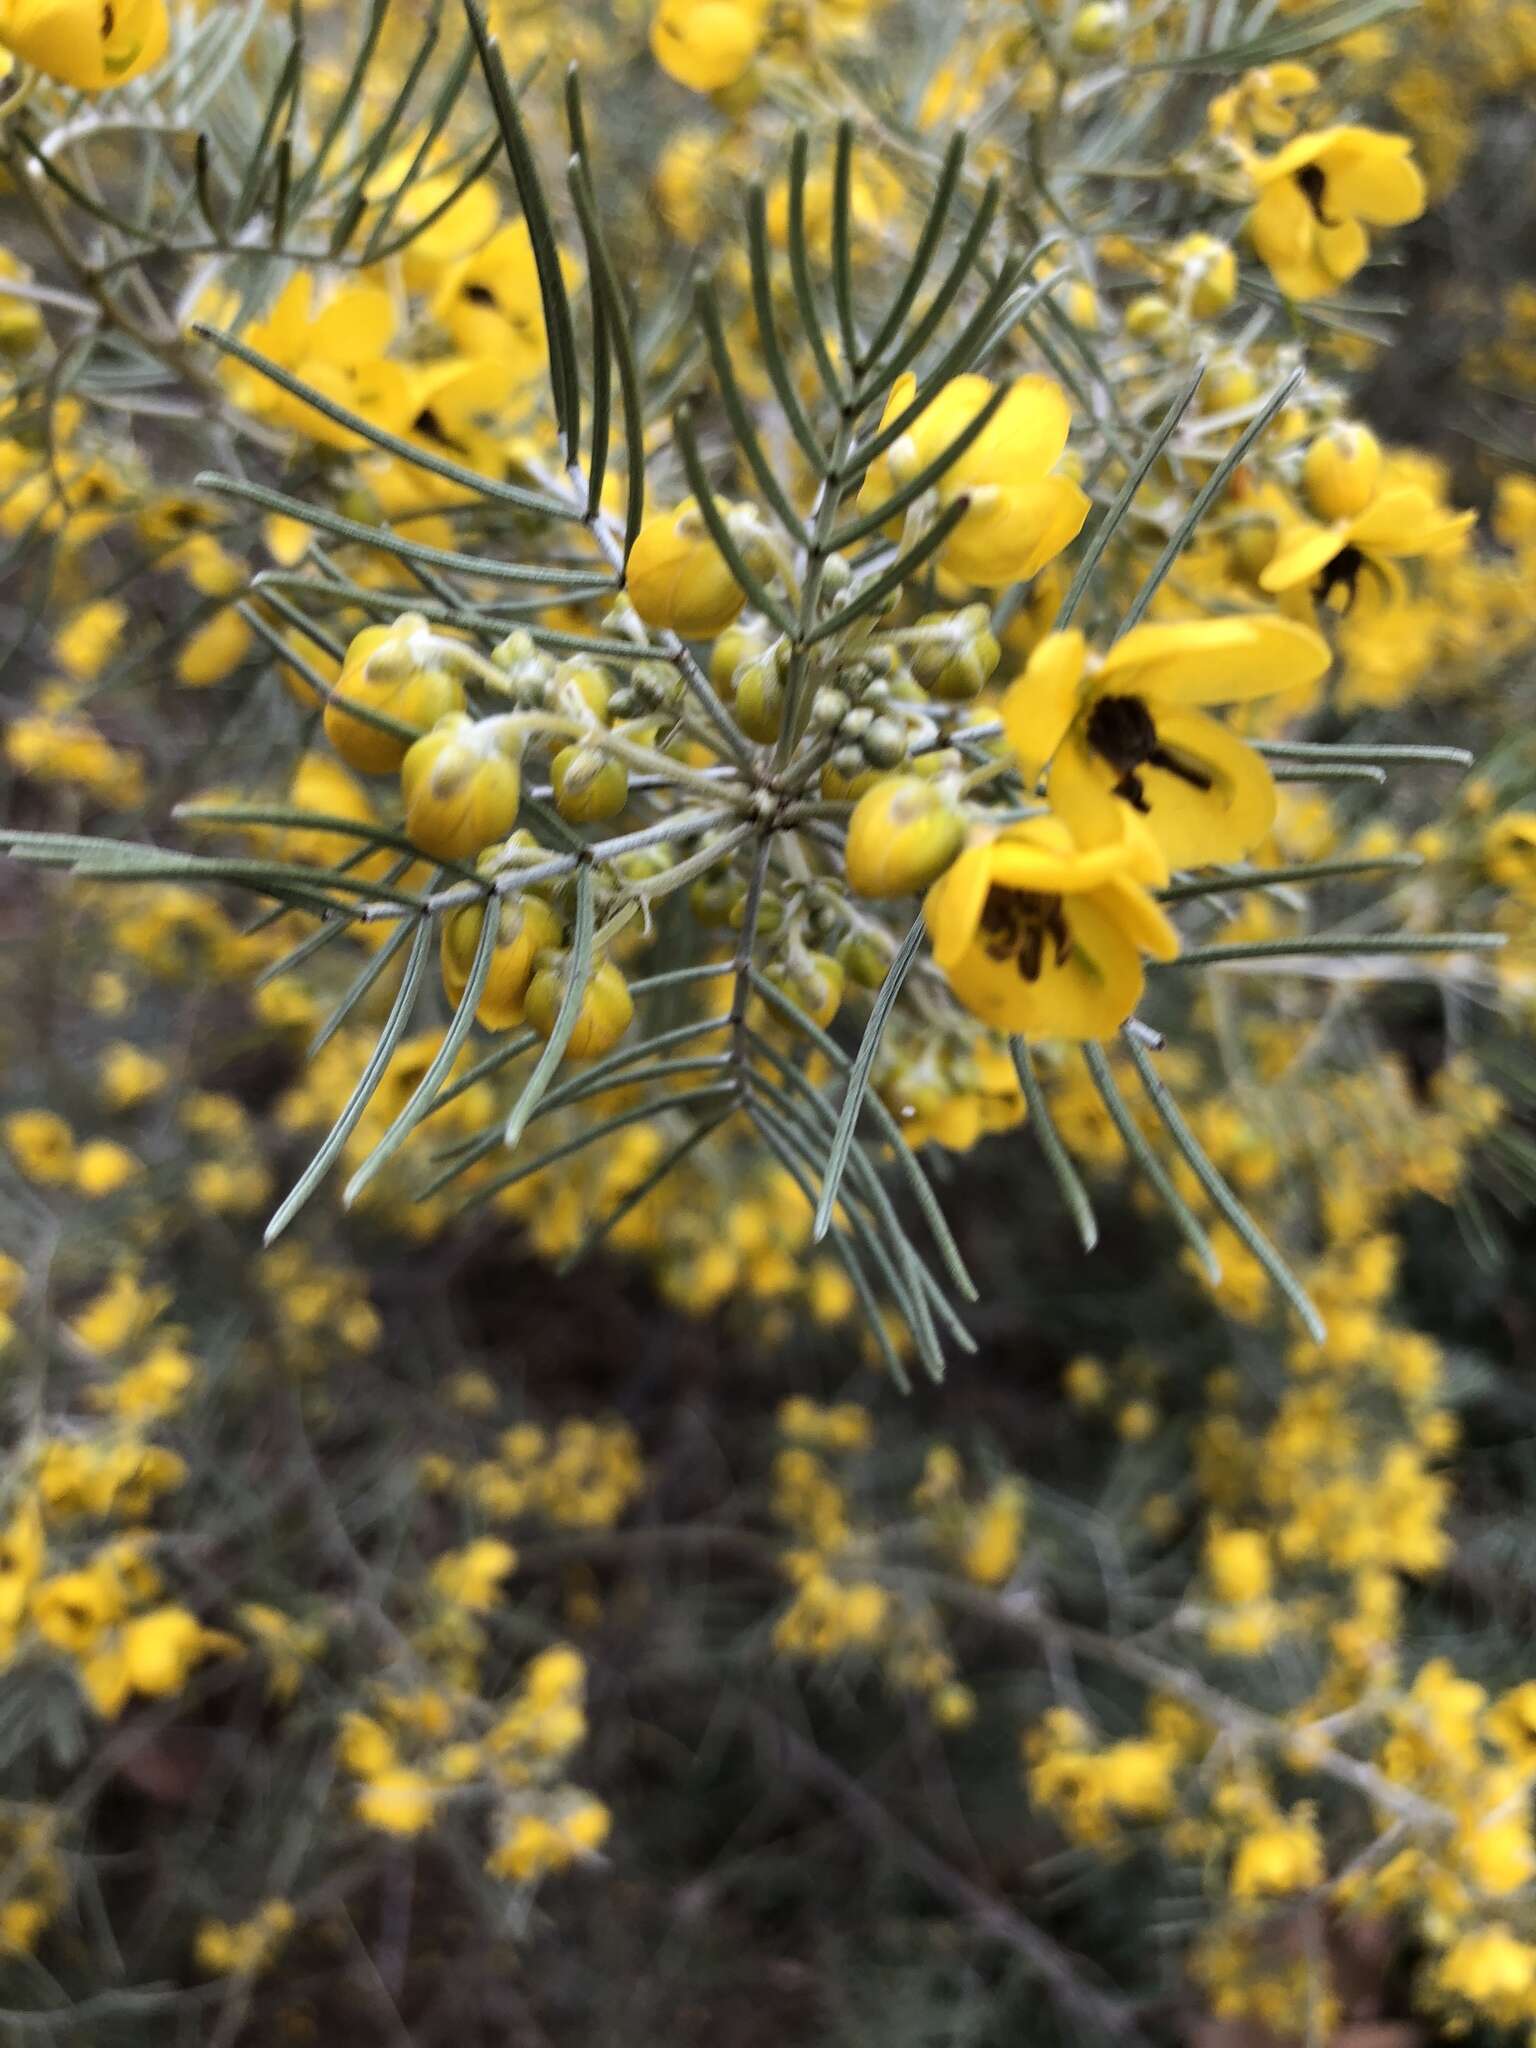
{"points": [[526, 927], [1237, 1564], [130, 1077], [677, 578], [339, 351], [1403, 520], [1494, 1970], [491, 304], [42, 1145], [73, 1609], [1123, 734], [1318, 195], [462, 784], [214, 650], [472, 1577], [902, 836], [1037, 936], [85, 43], [399, 1801], [707, 45], [102, 1167], [603, 1018], [1020, 515], [390, 670], [1283, 1856]]}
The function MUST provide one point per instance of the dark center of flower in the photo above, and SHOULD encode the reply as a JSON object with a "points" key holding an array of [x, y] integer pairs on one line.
{"points": [[1342, 573], [108, 22], [1313, 187], [1016, 924], [1121, 731], [427, 424], [478, 294]]}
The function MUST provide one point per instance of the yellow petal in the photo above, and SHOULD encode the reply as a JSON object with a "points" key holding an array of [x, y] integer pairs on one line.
{"points": [[953, 906], [1215, 661], [1039, 706], [1304, 552], [1372, 176], [1194, 826]]}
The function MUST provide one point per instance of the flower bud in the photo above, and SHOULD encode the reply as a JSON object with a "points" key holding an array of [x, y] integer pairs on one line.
{"points": [[1207, 268], [526, 927], [583, 686], [383, 672], [903, 834], [959, 665], [885, 743], [1149, 316], [606, 1006], [525, 665], [847, 775], [736, 646], [1341, 471], [678, 579], [760, 698], [1098, 27], [1228, 385], [590, 786], [462, 784], [863, 960], [813, 982]]}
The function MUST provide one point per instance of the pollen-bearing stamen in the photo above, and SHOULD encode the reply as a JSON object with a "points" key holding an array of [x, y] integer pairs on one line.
{"points": [[1017, 923]]}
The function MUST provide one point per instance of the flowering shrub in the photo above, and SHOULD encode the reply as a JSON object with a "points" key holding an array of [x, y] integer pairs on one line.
{"points": [[642, 673]]}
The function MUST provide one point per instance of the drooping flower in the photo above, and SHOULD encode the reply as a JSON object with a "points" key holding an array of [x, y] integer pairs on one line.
{"points": [[1317, 197], [462, 783], [1035, 935], [1123, 732], [677, 578], [1020, 515]]}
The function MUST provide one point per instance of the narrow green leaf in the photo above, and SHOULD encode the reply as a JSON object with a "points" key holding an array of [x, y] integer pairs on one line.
{"points": [[772, 607], [559, 328], [1207, 496], [1109, 525], [867, 596], [1135, 1141], [1073, 1193], [859, 1073], [578, 966], [610, 299], [363, 1093], [1220, 1194], [442, 1060], [739, 413], [922, 257], [774, 359]]}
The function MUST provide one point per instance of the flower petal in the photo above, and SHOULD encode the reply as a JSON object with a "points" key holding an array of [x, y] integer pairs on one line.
{"points": [[1216, 661]]}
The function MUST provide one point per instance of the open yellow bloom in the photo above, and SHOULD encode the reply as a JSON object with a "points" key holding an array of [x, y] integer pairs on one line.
{"points": [[1123, 732], [1318, 195], [89, 44], [1398, 522], [1037, 936], [1020, 515]]}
